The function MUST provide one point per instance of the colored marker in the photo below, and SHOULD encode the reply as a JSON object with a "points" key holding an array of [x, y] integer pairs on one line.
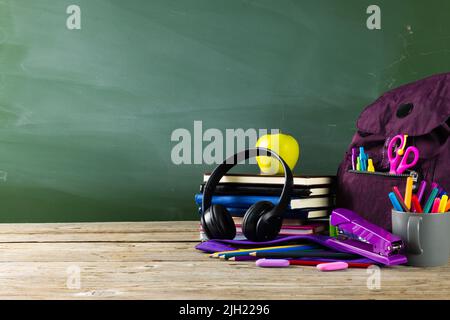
{"points": [[358, 164], [435, 208], [416, 204], [443, 204], [421, 191], [430, 200], [395, 202], [408, 192], [370, 166], [353, 158], [399, 197], [447, 209], [362, 158]]}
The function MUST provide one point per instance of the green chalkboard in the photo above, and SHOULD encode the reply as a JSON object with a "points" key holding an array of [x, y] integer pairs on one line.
{"points": [[86, 115]]}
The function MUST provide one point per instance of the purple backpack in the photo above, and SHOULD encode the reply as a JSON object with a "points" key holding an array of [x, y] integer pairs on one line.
{"points": [[422, 111]]}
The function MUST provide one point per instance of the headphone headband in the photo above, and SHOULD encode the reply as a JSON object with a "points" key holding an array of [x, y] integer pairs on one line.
{"points": [[230, 162]]}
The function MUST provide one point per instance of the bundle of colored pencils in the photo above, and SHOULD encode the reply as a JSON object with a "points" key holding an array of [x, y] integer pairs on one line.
{"points": [[297, 254], [436, 202]]}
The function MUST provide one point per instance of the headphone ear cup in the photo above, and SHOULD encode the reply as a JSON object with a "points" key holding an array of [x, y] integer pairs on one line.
{"points": [[251, 219], [218, 224]]}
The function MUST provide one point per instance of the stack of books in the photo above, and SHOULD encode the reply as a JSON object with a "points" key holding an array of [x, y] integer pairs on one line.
{"points": [[311, 202]]}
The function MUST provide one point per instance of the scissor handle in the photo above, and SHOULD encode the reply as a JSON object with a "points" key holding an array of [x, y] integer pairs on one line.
{"points": [[392, 151], [404, 162]]}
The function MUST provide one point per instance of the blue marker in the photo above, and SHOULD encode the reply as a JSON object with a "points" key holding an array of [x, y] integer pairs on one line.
{"points": [[395, 202], [363, 159]]}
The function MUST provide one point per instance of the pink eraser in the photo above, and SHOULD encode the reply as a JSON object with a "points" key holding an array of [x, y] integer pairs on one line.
{"points": [[272, 263], [332, 266]]}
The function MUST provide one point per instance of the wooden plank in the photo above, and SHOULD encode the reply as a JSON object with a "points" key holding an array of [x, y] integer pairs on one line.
{"points": [[100, 232], [173, 269], [205, 279]]}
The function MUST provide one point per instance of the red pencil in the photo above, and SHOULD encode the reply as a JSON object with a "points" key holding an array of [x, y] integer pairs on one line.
{"points": [[315, 263]]}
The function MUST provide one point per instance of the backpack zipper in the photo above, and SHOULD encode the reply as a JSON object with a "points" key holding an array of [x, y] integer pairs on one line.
{"points": [[411, 173]]}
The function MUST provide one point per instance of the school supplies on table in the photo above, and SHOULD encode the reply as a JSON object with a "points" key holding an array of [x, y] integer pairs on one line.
{"points": [[398, 156], [311, 197], [356, 236]]}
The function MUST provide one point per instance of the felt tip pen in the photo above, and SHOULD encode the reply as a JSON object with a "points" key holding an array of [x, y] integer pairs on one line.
{"points": [[362, 159], [370, 166], [353, 158], [435, 208], [421, 190], [443, 204], [416, 204], [400, 198], [430, 200], [395, 202], [408, 192]]}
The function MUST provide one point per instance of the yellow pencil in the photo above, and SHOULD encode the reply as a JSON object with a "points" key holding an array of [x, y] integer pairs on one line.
{"points": [[408, 192], [217, 254], [443, 204]]}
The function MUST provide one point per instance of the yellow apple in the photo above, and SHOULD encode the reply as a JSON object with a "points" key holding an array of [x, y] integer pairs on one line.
{"points": [[284, 145]]}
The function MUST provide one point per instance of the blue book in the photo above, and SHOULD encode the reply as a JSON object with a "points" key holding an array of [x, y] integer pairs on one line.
{"points": [[245, 201]]}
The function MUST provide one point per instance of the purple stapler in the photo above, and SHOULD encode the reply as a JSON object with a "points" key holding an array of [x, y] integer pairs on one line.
{"points": [[356, 235]]}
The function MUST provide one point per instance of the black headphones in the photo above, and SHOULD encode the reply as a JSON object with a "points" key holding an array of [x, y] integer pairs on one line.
{"points": [[262, 221]]}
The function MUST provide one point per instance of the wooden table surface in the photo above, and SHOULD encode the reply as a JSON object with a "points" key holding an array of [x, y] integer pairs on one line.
{"points": [[157, 260]]}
